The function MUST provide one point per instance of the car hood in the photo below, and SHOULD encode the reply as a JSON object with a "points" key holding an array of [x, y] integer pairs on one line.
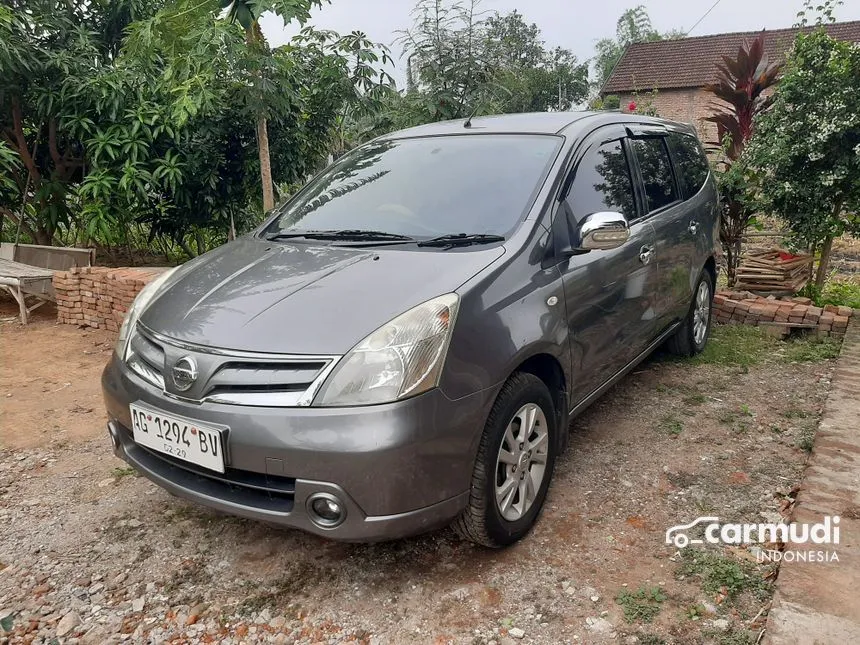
{"points": [[298, 298]]}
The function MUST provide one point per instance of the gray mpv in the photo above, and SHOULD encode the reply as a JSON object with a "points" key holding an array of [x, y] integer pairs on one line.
{"points": [[404, 343]]}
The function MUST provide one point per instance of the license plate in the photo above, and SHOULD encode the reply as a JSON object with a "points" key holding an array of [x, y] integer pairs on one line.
{"points": [[180, 438]]}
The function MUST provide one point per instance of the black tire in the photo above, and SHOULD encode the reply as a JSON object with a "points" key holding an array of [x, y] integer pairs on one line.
{"points": [[482, 521], [683, 342]]}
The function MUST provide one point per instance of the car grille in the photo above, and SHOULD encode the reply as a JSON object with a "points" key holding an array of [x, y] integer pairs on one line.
{"points": [[241, 487], [232, 377]]}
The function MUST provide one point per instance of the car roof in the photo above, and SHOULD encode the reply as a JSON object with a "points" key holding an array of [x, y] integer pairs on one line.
{"points": [[568, 123]]}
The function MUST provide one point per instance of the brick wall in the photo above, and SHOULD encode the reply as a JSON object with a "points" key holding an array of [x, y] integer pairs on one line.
{"points": [[98, 296], [685, 105], [692, 105], [780, 316]]}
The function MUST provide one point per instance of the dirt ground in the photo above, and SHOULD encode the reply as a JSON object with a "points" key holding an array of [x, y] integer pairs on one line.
{"points": [[91, 553]]}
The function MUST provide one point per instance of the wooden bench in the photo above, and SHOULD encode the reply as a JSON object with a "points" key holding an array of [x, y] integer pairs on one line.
{"points": [[26, 271], [22, 280]]}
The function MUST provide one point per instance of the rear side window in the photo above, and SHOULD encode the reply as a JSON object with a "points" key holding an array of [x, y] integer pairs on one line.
{"points": [[602, 183], [690, 163], [656, 170]]}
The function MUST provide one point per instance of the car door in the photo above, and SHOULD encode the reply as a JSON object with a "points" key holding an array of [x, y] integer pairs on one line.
{"points": [[693, 172], [609, 294], [674, 224]]}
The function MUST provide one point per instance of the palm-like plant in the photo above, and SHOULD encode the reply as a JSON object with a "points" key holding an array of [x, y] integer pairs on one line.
{"points": [[740, 86]]}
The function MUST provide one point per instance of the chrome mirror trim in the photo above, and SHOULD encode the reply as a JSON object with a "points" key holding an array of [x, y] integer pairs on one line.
{"points": [[603, 231]]}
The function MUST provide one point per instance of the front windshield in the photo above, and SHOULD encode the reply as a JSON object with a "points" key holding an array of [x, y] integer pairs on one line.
{"points": [[425, 187]]}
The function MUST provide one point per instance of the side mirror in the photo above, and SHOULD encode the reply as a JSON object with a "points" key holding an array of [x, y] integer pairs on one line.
{"points": [[603, 231]]}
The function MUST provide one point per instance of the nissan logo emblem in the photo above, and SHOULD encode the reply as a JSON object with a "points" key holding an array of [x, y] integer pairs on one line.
{"points": [[184, 373]]}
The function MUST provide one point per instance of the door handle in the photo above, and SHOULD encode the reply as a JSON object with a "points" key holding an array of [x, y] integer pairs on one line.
{"points": [[694, 227], [645, 254]]}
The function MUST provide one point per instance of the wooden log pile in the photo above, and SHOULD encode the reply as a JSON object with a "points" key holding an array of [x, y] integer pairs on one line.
{"points": [[98, 296], [775, 271]]}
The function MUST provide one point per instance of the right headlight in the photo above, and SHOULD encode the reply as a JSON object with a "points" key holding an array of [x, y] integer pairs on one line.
{"points": [[141, 302], [400, 359]]}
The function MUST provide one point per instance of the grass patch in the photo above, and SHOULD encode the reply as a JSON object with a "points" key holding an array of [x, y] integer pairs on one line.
{"points": [[731, 637], [722, 574], [123, 471], [795, 413], [695, 399], [641, 605], [649, 639], [744, 346], [841, 292], [806, 441], [739, 345], [670, 424], [810, 350]]}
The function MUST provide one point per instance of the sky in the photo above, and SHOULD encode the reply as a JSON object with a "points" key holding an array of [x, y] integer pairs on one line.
{"points": [[573, 25]]}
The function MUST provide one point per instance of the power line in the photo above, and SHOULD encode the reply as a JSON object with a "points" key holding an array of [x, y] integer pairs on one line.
{"points": [[713, 6]]}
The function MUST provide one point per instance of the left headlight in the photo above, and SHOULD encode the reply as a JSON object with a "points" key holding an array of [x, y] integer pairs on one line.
{"points": [[137, 307], [400, 359]]}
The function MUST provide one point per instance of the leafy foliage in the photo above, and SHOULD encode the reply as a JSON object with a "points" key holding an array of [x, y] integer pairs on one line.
{"points": [[463, 61], [740, 87], [124, 118], [805, 155], [642, 604]]}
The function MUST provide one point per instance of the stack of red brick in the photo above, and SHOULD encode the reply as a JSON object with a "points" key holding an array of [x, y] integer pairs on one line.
{"points": [[780, 316], [98, 296]]}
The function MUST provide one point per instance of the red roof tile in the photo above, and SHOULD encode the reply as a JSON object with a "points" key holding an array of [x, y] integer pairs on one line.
{"points": [[690, 62]]}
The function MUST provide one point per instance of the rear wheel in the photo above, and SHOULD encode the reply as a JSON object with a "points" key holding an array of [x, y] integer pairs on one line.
{"points": [[515, 463], [692, 336]]}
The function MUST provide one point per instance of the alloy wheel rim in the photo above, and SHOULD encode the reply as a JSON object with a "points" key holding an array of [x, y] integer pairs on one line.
{"points": [[521, 463], [701, 313]]}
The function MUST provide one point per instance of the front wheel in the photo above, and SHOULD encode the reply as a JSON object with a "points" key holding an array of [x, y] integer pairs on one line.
{"points": [[514, 465], [692, 336]]}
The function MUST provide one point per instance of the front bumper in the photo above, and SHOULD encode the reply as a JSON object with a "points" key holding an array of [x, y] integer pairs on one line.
{"points": [[399, 469]]}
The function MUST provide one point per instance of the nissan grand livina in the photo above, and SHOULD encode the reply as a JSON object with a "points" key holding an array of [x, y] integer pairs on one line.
{"points": [[403, 344]]}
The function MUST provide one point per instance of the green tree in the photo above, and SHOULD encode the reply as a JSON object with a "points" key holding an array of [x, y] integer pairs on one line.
{"points": [[186, 16], [447, 60], [57, 71], [118, 128], [463, 61], [527, 76], [217, 87], [805, 152], [633, 26]]}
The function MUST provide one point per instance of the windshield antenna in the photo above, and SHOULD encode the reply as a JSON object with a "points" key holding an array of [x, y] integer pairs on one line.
{"points": [[468, 123]]}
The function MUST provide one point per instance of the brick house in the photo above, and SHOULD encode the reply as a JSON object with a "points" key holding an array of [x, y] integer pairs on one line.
{"points": [[679, 69]]}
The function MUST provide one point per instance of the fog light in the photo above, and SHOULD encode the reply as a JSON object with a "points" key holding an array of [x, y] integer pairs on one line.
{"points": [[326, 510]]}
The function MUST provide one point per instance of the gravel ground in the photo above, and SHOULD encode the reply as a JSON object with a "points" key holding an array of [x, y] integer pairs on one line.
{"points": [[92, 553]]}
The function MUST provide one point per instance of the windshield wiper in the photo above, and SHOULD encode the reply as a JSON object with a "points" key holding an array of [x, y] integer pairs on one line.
{"points": [[462, 239], [349, 235]]}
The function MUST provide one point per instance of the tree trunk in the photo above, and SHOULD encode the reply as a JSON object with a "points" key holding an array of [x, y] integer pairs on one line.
{"points": [[733, 254], [184, 246], [265, 165], [43, 236], [823, 263]]}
